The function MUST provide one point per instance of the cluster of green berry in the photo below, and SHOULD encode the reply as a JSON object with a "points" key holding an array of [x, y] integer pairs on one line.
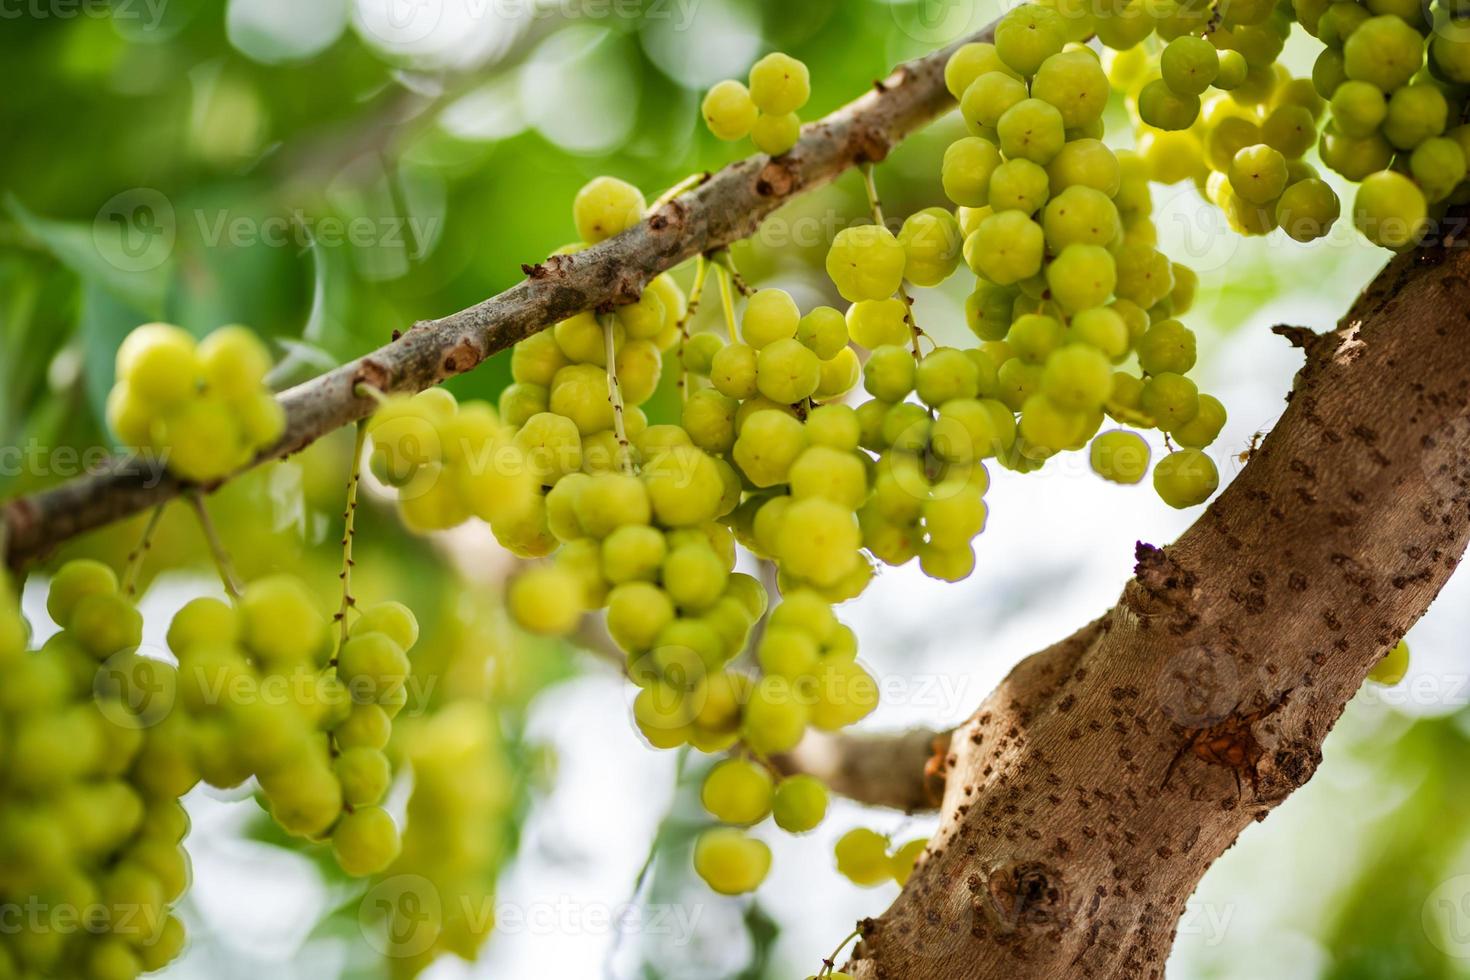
{"points": [[91, 830], [1391, 77], [460, 790], [742, 793], [1397, 122], [202, 409], [1071, 289], [927, 483], [449, 462], [866, 857], [268, 692], [766, 110], [1244, 151], [648, 529]]}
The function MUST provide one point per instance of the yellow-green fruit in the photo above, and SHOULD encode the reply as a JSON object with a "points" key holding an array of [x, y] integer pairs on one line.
{"points": [[160, 363], [372, 666], [1390, 210], [364, 774], [862, 857], [77, 578], [1392, 668], [366, 841], [737, 791], [730, 862], [279, 620], [547, 600], [1120, 457], [780, 84], [685, 487], [1186, 478], [774, 135], [800, 804], [304, 795], [393, 618], [729, 111], [234, 361], [607, 207], [202, 621], [903, 859]]}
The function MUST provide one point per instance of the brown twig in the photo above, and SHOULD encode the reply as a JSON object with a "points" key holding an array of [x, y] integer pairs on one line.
{"points": [[729, 206]]}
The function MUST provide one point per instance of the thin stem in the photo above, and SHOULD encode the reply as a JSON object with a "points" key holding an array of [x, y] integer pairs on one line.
{"points": [[687, 184], [870, 184], [696, 292], [615, 395], [830, 963], [216, 547], [136, 556], [727, 301], [364, 390], [727, 262], [349, 528]]}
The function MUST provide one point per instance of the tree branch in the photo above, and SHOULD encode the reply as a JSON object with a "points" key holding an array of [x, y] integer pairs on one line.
{"points": [[894, 769], [729, 206], [906, 770], [1082, 808]]}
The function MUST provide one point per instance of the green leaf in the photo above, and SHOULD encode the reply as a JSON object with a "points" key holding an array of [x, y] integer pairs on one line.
{"points": [[105, 320], [127, 250]]}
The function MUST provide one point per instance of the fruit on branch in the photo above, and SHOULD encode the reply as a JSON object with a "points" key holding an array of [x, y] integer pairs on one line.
{"points": [[89, 812], [766, 111], [202, 409]]}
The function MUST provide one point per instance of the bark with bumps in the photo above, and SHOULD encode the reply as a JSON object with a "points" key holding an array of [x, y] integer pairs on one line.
{"points": [[1085, 799]]}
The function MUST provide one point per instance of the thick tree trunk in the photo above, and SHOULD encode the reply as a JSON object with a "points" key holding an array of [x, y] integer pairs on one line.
{"points": [[1086, 797]]}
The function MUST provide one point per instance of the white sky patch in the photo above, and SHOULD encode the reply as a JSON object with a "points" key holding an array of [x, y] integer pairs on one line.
{"points": [[715, 41], [273, 31], [579, 90]]}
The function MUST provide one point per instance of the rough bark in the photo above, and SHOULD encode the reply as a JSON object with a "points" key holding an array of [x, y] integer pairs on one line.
{"points": [[906, 771], [893, 770], [1087, 796], [731, 205]]}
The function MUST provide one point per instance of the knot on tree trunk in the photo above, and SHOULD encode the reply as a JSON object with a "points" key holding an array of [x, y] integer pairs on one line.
{"points": [[555, 266], [1287, 770], [1162, 589], [1020, 898], [778, 178], [373, 374]]}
